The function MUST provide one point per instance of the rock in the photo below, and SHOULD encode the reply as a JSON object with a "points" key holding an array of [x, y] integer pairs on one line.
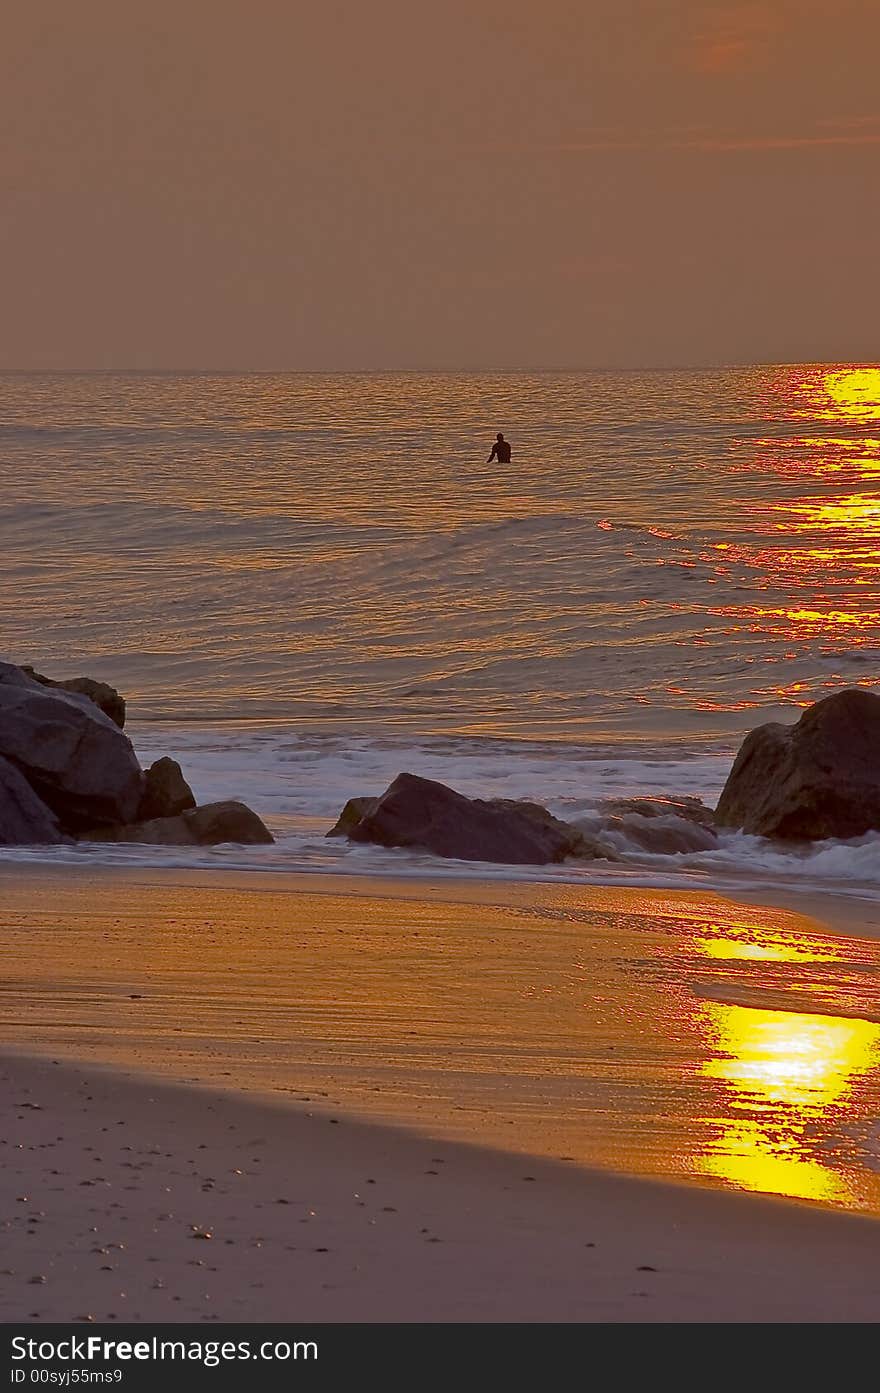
{"points": [[688, 809], [105, 697], [75, 758], [661, 826], [354, 810], [819, 778], [426, 815], [584, 846], [166, 791], [227, 822], [24, 818], [211, 825]]}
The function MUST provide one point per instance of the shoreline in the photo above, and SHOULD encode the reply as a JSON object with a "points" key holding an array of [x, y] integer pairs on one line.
{"points": [[837, 908], [849, 914], [133, 1200]]}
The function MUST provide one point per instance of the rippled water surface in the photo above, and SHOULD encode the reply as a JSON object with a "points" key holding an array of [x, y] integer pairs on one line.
{"points": [[663, 551], [304, 584]]}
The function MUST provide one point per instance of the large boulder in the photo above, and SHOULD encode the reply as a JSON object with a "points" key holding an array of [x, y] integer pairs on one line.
{"points": [[426, 815], [819, 778], [105, 697], [166, 791], [75, 758], [24, 818], [211, 825]]}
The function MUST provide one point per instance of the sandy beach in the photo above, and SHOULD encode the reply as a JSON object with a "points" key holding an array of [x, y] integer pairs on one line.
{"points": [[451, 1127], [123, 1200]]}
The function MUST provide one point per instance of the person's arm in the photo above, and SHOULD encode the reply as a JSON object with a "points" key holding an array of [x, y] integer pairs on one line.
{"points": [[493, 454]]}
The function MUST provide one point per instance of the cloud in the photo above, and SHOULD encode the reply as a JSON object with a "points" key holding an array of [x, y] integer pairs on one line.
{"points": [[781, 142], [827, 135], [851, 123], [734, 39]]}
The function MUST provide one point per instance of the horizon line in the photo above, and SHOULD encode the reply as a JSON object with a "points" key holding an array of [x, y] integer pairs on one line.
{"points": [[561, 368]]}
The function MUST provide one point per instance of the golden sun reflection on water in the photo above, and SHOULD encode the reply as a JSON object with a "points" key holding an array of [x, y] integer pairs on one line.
{"points": [[859, 510], [788, 1077], [855, 392], [817, 543]]}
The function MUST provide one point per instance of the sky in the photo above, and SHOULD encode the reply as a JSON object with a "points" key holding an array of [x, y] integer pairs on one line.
{"points": [[368, 184]]}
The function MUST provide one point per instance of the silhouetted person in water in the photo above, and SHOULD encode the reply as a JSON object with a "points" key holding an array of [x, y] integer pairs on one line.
{"points": [[500, 450]]}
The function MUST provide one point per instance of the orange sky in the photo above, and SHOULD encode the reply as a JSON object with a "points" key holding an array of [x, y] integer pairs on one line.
{"points": [[289, 184]]}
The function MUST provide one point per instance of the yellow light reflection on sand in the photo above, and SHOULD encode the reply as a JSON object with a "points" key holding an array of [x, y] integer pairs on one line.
{"points": [[789, 1057], [788, 1077], [751, 940], [787, 1071], [736, 950], [749, 1163]]}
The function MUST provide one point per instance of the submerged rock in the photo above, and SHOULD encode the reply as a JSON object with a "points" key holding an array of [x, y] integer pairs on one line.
{"points": [[166, 791], [661, 826], [819, 778], [105, 697], [657, 805], [426, 815], [76, 760], [24, 818], [211, 825]]}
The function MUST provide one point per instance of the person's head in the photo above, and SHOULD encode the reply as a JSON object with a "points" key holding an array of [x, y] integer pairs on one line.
{"points": [[499, 436]]}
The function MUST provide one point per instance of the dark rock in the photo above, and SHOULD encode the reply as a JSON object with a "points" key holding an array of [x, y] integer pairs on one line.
{"points": [[24, 818], [105, 697], [166, 791], [816, 779], [75, 758], [423, 814], [353, 813], [211, 825]]}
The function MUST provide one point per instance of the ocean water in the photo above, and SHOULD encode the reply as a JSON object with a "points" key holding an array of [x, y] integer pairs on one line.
{"points": [[305, 584]]}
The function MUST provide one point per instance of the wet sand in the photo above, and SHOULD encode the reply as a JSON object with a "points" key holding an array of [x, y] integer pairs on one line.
{"points": [[526, 1030], [669, 1035], [124, 1200]]}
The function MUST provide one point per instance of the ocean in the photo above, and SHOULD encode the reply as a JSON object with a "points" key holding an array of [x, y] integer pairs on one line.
{"points": [[304, 584]]}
